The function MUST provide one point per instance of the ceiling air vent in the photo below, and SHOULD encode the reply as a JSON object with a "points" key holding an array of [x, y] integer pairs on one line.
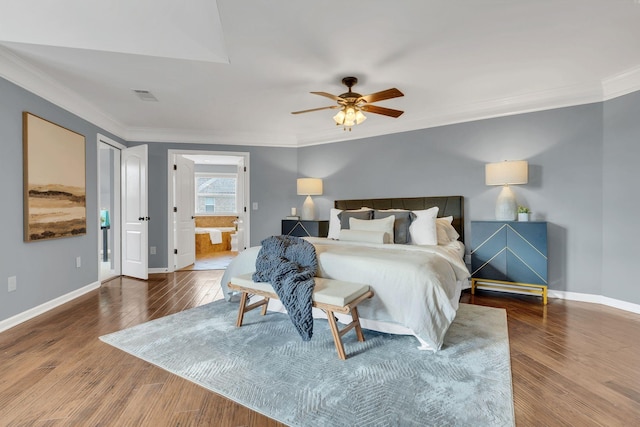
{"points": [[145, 95]]}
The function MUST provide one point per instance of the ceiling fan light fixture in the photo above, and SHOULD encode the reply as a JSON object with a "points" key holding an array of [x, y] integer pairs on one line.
{"points": [[350, 115], [352, 104]]}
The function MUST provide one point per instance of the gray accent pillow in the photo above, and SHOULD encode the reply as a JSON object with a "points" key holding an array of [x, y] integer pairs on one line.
{"points": [[345, 215], [400, 226]]}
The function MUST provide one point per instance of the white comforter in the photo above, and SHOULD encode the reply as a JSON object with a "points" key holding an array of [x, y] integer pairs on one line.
{"points": [[416, 287]]}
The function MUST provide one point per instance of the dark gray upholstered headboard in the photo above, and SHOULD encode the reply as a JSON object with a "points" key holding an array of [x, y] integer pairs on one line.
{"points": [[447, 206]]}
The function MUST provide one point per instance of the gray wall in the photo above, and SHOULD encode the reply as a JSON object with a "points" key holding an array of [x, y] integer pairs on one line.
{"points": [[621, 202], [564, 150], [47, 269], [582, 169]]}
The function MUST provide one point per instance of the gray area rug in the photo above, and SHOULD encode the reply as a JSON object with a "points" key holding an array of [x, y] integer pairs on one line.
{"points": [[386, 381]]}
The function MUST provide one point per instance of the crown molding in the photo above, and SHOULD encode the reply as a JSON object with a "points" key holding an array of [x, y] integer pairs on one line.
{"points": [[567, 96], [182, 136], [621, 84], [549, 99], [20, 72]]}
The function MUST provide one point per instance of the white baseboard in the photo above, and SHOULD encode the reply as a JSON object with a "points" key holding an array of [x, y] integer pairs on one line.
{"points": [[42, 308], [596, 299], [158, 270]]}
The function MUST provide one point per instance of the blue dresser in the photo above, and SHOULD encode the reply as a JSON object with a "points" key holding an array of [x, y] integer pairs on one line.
{"points": [[509, 256]]}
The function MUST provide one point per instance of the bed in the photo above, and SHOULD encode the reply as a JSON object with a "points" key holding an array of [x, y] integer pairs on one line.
{"points": [[417, 285]]}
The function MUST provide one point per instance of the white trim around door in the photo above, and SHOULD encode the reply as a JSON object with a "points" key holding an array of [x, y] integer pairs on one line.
{"points": [[115, 214]]}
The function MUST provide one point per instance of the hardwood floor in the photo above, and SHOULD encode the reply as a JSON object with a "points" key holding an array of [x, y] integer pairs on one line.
{"points": [[214, 261], [573, 364]]}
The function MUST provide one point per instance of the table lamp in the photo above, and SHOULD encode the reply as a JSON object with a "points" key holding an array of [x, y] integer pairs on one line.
{"points": [[507, 173], [309, 187]]}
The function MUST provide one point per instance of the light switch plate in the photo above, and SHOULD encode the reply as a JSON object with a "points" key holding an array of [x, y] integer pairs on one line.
{"points": [[12, 283]]}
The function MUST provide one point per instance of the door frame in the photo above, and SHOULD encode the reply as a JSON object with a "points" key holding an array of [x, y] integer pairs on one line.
{"points": [[247, 196], [116, 216]]}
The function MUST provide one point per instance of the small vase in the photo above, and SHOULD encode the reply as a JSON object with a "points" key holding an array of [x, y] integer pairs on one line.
{"points": [[523, 217]]}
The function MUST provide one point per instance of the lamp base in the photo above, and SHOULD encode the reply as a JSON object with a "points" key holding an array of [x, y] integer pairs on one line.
{"points": [[308, 210], [506, 206]]}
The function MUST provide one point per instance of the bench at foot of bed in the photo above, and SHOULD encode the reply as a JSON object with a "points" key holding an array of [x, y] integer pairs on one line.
{"points": [[328, 295]]}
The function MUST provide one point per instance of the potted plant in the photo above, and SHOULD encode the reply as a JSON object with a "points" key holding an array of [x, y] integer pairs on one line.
{"points": [[523, 213]]}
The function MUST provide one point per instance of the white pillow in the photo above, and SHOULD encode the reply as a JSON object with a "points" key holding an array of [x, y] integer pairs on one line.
{"points": [[446, 232], [441, 233], [362, 236], [382, 224], [334, 224], [334, 221], [423, 227]]}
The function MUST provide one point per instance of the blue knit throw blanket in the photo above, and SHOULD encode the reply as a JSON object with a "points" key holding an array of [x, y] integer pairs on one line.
{"points": [[289, 263]]}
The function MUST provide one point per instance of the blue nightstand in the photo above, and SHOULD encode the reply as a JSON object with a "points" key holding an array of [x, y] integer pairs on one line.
{"points": [[509, 256]]}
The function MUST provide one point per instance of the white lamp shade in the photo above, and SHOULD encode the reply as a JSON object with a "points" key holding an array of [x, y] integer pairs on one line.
{"points": [[309, 186], [507, 173]]}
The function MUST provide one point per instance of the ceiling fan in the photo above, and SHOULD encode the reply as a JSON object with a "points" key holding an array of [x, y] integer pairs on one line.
{"points": [[352, 104]]}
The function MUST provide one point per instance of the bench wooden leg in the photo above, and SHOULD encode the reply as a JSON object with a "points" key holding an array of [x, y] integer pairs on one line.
{"points": [[356, 321], [244, 308], [243, 302], [336, 335]]}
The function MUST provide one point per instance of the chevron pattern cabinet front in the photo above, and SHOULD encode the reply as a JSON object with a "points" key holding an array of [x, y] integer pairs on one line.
{"points": [[510, 252]]}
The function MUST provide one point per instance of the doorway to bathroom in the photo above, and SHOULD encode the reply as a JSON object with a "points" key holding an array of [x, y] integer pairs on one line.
{"points": [[208, 199]]}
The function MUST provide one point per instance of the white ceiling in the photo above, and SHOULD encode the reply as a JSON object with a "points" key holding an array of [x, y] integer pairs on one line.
{"points": [[232, 71]]}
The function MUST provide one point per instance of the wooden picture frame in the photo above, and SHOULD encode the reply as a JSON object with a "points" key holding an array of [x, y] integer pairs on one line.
{"points": [[54, 180]]}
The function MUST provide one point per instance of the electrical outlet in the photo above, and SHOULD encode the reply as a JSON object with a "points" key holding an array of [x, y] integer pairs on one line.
{"points": [[152, 250], [78, 262], [12, 283], [255, 206]]}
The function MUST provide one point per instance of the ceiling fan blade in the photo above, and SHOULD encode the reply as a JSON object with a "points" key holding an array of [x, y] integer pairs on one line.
{"points": [[328, 95], [381, 110], [380, 96], [315, 109]]}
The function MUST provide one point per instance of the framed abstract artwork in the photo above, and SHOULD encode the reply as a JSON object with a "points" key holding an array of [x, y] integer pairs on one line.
{"points": [[54, 180]]}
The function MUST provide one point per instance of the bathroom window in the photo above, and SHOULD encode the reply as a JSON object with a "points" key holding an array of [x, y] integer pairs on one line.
{"points": [[216, 193]]}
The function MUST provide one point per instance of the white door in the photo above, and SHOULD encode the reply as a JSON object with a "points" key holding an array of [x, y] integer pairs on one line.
{"points": [[135, 215], [184, 212], [243, 220]]}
